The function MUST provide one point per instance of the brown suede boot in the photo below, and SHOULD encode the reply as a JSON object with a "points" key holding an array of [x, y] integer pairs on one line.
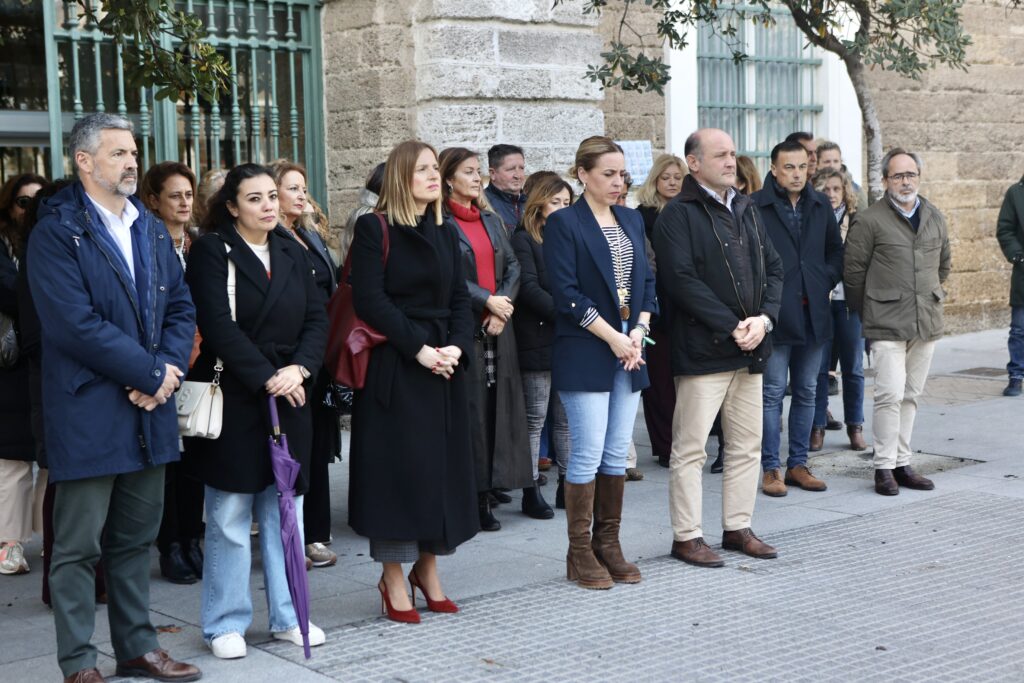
{"points": [[801, 476], [817, 440], [607, 519], [856, 434], [580, 564]]}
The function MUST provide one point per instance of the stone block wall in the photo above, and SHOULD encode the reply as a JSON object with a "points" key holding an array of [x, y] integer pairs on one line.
{"points": [[969, 129], [455, 72], [633, 115]]}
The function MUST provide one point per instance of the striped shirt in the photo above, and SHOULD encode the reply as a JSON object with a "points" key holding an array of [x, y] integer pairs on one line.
{"points": [[621, 249]]}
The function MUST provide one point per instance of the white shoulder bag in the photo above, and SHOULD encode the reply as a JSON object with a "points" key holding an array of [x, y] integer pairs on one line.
{"points": [[200, 405]]}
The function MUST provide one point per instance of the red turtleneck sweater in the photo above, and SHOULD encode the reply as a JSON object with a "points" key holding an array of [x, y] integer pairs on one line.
{"points": [[469, 220]]}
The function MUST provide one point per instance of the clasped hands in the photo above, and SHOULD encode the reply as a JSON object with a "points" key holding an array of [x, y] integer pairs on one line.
{"points": [[287, 382], [749, 333], [172, 380], [499, 310], [629, 348], [440, 360]]}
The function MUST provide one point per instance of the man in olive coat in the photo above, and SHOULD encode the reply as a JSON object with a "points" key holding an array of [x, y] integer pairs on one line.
{"points": [[1010, 232], [897, 257]]}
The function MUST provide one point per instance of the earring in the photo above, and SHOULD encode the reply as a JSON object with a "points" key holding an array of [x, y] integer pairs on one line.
{"points": [[584, 185], [450, 188]]}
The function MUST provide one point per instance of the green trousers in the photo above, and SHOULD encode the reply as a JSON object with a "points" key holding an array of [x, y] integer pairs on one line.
{"points": [[116, 516]]}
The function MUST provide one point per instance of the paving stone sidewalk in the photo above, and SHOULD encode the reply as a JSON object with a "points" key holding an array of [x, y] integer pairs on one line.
{"points": [[933, 591]]}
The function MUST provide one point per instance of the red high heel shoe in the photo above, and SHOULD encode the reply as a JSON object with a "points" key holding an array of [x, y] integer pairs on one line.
{"points": [[446, 606], [408, 616]]}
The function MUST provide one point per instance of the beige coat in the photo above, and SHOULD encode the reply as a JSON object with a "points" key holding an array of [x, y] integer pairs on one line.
{"points": [[893, 276]]}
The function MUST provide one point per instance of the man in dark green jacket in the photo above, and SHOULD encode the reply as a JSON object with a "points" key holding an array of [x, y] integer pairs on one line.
{"points": [[1010, 232], [897, 257]]}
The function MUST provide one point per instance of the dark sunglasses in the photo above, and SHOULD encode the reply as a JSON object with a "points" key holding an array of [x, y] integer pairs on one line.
{"points": [[23, 201]]}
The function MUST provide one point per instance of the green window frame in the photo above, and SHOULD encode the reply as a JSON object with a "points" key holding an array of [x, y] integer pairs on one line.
{"points": [[273, 107], [764, 98]]}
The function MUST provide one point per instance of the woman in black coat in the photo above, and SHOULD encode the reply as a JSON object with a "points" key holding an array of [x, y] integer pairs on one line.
{"points": [[411, 471], [293, 200], [501, 448], [17, 450], [535, 323], [271, 343]]}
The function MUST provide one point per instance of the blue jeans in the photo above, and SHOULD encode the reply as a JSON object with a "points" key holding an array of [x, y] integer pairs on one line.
{"points": [[1015, 368], [600, 429], [226, 602], [801, 363], [847, 335]]}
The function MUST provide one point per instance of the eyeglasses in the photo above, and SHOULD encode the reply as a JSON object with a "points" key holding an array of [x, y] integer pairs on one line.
{"points": [[900, 177], [23, 201]]}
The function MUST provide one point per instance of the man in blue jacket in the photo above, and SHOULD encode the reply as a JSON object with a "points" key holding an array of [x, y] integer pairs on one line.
{"points": [[117, 328], [803, 229]]}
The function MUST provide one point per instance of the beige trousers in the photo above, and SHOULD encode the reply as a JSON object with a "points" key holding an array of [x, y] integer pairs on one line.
{"points": [[698, 400], [631, 455], [902, 368], [21, 501]]}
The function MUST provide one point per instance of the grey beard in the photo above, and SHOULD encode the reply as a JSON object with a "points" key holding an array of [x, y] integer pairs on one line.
{"points": [[904, 197], [125, 188]]}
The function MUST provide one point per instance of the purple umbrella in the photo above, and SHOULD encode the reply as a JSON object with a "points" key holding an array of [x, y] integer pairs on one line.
{"points": [[286, 470]]}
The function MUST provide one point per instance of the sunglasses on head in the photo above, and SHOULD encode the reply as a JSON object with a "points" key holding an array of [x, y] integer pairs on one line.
{"points": [[23, 201]]}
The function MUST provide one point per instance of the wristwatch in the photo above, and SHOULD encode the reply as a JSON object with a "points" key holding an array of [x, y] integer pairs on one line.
{"points": [[768, 326], [306, 374]]}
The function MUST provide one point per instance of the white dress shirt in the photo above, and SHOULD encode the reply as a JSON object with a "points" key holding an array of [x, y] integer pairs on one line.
{"points": [[120, 228]]}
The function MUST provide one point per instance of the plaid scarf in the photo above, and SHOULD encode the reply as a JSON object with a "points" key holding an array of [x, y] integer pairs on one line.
{"points": [[490, 360]]}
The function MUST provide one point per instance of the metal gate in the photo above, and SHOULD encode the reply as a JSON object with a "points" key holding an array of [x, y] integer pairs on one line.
{"points": [[273, 107]]}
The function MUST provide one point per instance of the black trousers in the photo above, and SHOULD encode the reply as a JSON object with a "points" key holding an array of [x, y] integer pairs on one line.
{"points": [[182, 520], [316, 503]]}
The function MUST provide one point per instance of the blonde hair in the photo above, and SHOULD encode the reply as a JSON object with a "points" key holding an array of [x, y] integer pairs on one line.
{"points": [[648, 195], [541, 192], [746, 173], [210, 183], [823, 175], [396, 191], [589, 151], [316, 220]]}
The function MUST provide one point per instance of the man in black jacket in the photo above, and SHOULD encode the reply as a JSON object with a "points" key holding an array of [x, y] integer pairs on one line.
{"points": [[723, 280], [803, 229]]}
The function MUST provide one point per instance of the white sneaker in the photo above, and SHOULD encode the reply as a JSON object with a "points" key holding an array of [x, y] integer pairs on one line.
{"points": [[228, 646], [12, 559], [316, 636]]}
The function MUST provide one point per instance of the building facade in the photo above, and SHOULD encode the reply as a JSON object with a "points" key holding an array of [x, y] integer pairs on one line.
{"points": [[334, 84]]}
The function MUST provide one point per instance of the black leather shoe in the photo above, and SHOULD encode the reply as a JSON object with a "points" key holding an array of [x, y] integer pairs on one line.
{"points": [[560, 493], [719, 464], [542, 479], [194, 554], [499, 497], [832, 424], [534, 504], [885, 484], [1013, 387], [663, 460], [175, 568], [487, 520]]}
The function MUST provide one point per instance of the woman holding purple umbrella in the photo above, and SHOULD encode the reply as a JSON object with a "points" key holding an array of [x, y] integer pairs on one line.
{"points": [[270, 339]]}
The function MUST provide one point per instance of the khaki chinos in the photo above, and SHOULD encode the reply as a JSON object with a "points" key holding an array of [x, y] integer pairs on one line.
{"points": [[902, 368], [738, 394]]}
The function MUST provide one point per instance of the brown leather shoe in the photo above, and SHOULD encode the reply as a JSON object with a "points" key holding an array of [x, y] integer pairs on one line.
{"points": [[772, 484], [696, 552], [802, 477], [159, 666], [580, 564], [910, 479], [85, 676], [817, 439], [885, 483], [607, 520], [856, 434], [747, 543]]}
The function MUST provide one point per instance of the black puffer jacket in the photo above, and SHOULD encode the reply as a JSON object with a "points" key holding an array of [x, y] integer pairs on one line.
{"points": [[695, 271]]}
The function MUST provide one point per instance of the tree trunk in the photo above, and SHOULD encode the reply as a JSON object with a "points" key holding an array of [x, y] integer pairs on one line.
{"points": [[872, 127]]}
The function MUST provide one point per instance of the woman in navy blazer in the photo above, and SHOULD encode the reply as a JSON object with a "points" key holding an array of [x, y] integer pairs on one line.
{"points": [[603, 290]]}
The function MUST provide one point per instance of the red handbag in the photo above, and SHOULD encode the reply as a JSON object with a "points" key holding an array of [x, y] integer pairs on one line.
{"points": [[349, 339]]}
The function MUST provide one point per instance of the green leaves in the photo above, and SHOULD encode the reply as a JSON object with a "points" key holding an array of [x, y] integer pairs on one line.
{"points": [[163, 48], [904, 36]]}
